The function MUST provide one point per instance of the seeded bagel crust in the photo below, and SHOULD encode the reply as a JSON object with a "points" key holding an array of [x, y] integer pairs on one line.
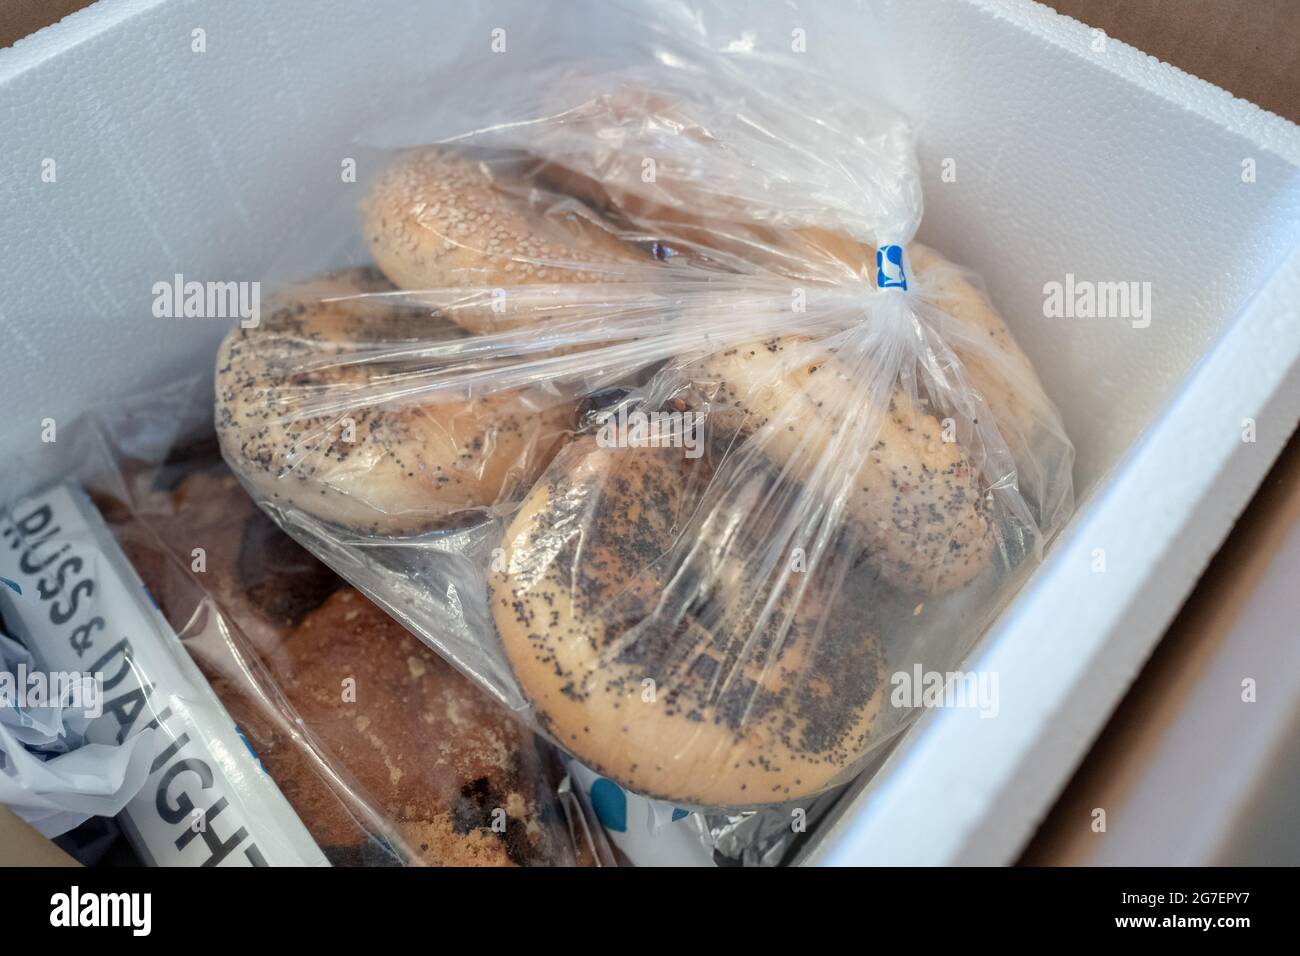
{"points": [[438, 221], [1000, 370], [727, 709], [915, 501], [377, 468], [992, 360]]}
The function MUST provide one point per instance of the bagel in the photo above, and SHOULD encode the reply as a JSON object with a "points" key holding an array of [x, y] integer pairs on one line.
{"points": [[998, 368], [915, 501], [992, 360], [992, 364], [376, 468], [698, 219], [719, 193], [714, 705], [436, 220]]}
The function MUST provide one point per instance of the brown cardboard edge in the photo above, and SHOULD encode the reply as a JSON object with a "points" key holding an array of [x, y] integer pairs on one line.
{"points": [[20, 845]]}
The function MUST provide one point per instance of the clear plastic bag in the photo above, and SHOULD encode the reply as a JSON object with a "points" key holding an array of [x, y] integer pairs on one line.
{"points": [[297, 718], [643, 408]]}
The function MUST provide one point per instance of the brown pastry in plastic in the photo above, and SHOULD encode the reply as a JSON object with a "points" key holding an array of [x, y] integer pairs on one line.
{"points": [[462, 781], [219, 542], [418, 763]]}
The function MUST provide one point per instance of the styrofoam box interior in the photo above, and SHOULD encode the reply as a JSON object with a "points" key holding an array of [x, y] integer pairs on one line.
{"points": [[1073, 154]]}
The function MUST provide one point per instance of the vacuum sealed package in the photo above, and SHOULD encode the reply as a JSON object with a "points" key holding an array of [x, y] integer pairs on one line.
{"points": [[267, 713], [633, 396]]}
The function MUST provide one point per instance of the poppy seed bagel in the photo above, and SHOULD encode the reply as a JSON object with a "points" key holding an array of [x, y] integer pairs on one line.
{"points": [[375, 467], [725, 708], [915, 500]]}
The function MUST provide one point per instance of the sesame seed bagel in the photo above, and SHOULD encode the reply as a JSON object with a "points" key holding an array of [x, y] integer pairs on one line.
{"points": [[374, 468], [647, 677], [436, 220], [915, 500]]}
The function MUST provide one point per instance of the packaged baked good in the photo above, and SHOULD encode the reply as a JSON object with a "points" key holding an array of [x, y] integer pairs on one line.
{"points": [[764, 461], [251, 708], [386, 753]]}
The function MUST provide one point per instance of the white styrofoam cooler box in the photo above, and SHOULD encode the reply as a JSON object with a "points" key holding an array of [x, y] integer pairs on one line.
{"points": [[1074, 154]]}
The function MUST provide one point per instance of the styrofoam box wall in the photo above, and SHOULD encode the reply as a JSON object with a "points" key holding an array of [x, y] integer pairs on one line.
{"points": [[1073, 154]]}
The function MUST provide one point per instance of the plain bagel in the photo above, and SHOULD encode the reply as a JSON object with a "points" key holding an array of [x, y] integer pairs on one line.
{"points": [[725, 709], [377, 468]]}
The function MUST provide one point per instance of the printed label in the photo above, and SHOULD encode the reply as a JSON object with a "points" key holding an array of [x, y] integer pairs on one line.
{"points": [[889, 268], [78, 605]]}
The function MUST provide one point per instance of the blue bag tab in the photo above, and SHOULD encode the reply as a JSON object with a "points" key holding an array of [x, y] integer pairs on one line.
{"points": [[889, 268]]}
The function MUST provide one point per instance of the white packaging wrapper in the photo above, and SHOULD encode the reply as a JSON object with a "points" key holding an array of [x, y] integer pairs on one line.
{"points": [[647, 832], [48, 775], [201, 796]]}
